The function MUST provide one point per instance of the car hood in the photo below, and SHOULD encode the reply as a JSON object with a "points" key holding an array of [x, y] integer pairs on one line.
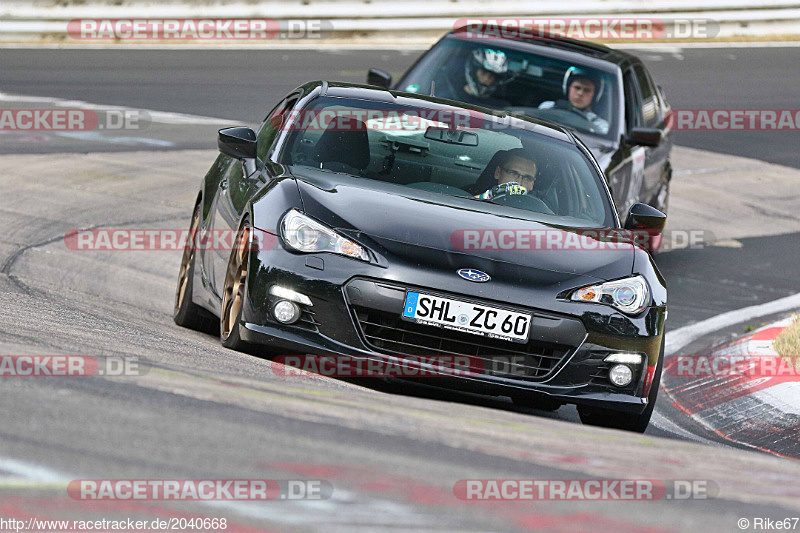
{"points": [[431, 228]]}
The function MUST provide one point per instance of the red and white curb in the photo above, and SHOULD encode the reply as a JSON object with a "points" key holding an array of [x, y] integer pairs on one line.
{"points": [[777, 391], [759, 409]]}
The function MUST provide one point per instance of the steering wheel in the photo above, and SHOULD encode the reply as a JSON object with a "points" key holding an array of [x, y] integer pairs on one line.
{"points": [[566, 117], [588, 122], [525, 201], [562, 106], [449, 83]]}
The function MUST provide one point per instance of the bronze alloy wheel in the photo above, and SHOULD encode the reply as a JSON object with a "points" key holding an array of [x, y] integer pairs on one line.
{"points": [[186, 263], [235, 278], [187, 313]]}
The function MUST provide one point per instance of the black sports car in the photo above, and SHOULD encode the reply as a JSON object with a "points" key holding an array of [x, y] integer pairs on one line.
{"points": [[391, 224], [621, 115]]}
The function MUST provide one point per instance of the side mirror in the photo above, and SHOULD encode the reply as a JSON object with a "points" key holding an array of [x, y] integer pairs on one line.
{"points": [[379, 77], [645, 136], [239, 142], [644, 217]]}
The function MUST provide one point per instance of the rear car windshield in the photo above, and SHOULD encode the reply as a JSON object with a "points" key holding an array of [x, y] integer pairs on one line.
{"points": [[452, 152], [532, 84]]}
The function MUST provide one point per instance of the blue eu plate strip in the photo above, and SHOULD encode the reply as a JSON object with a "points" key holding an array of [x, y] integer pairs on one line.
{"points": [[411, 304]]}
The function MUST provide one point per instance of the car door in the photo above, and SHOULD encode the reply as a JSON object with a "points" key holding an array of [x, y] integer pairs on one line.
{"points": [[656, 158], [626, 169], [236, 189]]}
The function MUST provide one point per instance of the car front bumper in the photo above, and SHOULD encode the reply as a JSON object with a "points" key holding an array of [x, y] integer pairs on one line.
{"points": [[573, 338]]}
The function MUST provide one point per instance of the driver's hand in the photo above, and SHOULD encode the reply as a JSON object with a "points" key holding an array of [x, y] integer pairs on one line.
{"points": [[508, 189]]}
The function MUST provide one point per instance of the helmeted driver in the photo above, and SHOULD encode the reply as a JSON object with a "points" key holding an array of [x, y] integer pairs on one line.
{"points": [[485, 71], [582, 89]]}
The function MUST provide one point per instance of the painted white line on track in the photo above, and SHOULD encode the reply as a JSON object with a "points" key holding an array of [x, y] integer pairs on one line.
{"points": [[94, 136], [30, 471], [785, 397], [362, 511], [681, 337], [162, 117]]}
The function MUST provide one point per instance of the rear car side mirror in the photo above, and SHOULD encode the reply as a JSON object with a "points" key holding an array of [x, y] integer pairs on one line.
{"points": [[644, 217], [379, 77], [239, 142], [645, 136]]}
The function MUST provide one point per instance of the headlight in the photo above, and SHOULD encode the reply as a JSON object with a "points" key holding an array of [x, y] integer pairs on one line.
{"points": [[307, 235], [629, 295]]}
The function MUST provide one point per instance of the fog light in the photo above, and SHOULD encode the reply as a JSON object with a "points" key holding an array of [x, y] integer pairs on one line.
{"points": [[286, 312], [288, 294], [624, 357], [620, 375]]}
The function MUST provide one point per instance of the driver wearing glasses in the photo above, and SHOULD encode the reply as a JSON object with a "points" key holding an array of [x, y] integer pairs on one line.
{"points": [[515, 174]]}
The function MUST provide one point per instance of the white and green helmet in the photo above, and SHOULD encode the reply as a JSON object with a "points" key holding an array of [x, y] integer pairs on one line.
{"points": [[490, 60]]}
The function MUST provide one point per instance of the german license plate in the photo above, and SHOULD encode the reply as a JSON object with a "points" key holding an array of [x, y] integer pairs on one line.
{"points": [[465, 316]]}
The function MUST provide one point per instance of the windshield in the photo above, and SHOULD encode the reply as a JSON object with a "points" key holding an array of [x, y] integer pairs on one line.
{"points": [[489, 75], [449, 151]]}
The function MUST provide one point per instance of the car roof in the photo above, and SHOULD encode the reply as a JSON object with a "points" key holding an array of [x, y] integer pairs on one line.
{"points": [[379, 94], [587, 49]]}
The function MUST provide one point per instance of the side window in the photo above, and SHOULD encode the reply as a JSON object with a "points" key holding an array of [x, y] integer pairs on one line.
{"points": [[272, 126], [633, 106], [651, 108]]}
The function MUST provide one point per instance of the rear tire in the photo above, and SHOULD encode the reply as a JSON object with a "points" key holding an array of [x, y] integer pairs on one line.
{"points": [[627, 421], [185, 312]]}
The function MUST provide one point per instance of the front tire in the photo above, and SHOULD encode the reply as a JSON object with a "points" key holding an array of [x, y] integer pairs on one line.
{"points": [[626, 421], [234, 294]]}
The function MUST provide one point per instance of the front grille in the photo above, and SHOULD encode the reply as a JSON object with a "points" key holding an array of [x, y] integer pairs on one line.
{"points": [[308, 319], [601, 374], [387, 333]]}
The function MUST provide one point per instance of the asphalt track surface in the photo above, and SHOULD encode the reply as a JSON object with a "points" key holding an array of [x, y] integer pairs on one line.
{"points": [[206, 412], [244, 84]]}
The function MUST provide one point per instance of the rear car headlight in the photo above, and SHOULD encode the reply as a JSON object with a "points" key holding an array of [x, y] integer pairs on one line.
{"points": [[305, 234], [629, 295]]}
